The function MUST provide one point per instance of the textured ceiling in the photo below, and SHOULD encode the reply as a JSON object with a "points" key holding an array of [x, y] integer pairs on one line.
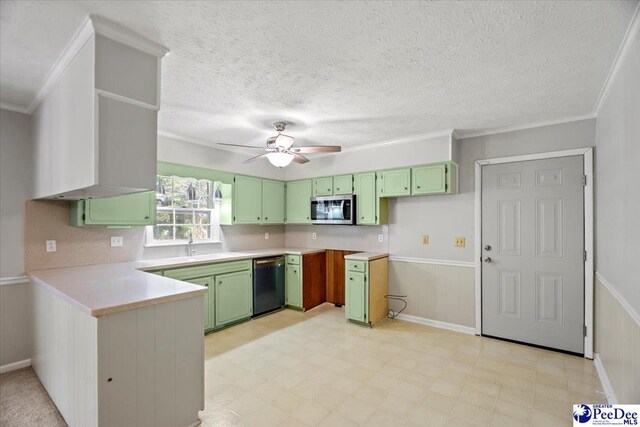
{"points": [[345, 73]]}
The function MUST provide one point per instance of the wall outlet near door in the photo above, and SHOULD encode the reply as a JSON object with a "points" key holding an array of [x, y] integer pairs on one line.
{"points": [[425, 239], [117, 241], [460, 242], [51, 245]]}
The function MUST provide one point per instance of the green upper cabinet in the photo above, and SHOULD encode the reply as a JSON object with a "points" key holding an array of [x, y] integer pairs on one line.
{"points": [[130, 209], [438, 178], [323, 186], [273, 202], [247, 200], [233, 297], [370, 208], [395, 182], [298, 202], [293, 284], [342, 184]]}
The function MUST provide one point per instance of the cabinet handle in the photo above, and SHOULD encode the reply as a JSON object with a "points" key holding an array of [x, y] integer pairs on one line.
{"points": [[259, 217], [362, 218], [146, 217], [405, 188], [266, 218], [418, 187], [350, 278], [338, 188]]}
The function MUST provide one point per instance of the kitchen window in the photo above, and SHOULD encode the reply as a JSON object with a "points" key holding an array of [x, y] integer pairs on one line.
{"points": [[185, 206]]}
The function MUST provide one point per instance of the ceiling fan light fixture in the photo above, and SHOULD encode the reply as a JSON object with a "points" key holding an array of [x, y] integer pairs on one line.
{"points": [[284, 141], [279, 159]]}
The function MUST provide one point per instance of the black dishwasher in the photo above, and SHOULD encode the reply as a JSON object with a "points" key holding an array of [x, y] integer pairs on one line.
{"points": [[268, 285]]}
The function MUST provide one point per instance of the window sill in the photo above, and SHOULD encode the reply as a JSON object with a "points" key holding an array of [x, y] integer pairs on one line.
{"points": [[180, 243]]}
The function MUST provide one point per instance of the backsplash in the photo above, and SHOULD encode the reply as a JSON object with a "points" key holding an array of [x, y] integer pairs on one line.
{"points": [[49, 220], [355, 238]]}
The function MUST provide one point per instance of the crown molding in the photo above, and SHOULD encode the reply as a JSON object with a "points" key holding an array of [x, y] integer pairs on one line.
{"points": [[90, 26], [463, 135], [14, 108], [623, 51], [197, 141], [414, 138]]}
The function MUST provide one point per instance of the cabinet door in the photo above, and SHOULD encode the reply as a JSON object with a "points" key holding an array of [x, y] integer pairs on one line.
{"points": [[130, 209], [293, 284], [429, 179], [247, 200], [298, 202], [233, 297], [209, 299], [343, 184], [395, 182], [323, 186], [366, 198], [272, 202], [356, 296]]}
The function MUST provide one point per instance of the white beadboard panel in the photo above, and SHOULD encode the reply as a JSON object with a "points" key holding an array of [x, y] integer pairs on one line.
{"points": [[617, 344], [444, 293]]}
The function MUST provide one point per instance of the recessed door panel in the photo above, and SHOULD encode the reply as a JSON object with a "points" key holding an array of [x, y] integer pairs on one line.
{"points": [[532, 248]]}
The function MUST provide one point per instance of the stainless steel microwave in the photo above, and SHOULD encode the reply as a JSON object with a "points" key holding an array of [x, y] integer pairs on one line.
{"points": [[334, 210]]}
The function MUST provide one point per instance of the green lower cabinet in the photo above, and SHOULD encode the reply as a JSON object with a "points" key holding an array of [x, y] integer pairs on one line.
{"points": [[342, 184], [293, 285], [323, 186], [298, 202], [356, 296], [395, 182], [209, 298], [130, 209], [247, 200], [233, 297]]}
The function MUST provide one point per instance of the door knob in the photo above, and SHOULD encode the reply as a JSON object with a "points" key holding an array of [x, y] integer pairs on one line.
{"points": [[487, 260], [487, 247]]}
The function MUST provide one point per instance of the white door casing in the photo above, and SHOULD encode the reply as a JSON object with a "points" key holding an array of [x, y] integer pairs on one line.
{"points": [[545, 266]]}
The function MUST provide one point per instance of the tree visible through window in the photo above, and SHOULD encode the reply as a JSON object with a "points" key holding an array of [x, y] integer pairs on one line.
{"points": [[184, 206]]}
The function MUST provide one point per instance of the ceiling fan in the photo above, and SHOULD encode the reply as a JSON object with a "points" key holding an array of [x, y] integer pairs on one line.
{"points": [[280, 151]]}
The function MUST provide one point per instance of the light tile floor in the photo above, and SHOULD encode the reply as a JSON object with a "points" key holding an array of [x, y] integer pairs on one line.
{"points": [[297, 369]]}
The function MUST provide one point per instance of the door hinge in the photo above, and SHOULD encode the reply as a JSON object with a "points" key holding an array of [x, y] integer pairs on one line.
{"points": [[446, 169], [446, 187], [584, 180], [584, 328], [365, 316], [234, 179], [83, 217], [585, 256], [234, 218]]}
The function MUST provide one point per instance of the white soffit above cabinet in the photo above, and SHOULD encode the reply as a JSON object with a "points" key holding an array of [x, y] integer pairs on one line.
{"points": [[346, 73]]}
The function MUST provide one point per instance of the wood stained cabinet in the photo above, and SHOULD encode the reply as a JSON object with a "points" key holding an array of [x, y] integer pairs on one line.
{"points": [[335, 276]]}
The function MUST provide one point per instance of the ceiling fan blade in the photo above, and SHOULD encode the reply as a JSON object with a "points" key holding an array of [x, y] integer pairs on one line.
{"points": [[299, 158], [243, 146], [318, 149], [255, 158]]}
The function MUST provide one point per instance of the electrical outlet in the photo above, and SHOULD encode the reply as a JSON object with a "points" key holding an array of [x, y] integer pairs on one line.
{"points": [[380, 238], [117, 241], [425, 239], [51, 245], [266, 236], [314, 236], [460, 242]]}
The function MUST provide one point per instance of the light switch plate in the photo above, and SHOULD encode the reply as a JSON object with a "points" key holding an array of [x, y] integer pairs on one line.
{"points": [[117, 241], [314, 236], [266, 236], [425, 239], [380, 238], [51, 245], [460, 242]]}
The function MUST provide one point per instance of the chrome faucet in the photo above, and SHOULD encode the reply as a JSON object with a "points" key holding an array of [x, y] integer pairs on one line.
{"points": [[190, 250]]}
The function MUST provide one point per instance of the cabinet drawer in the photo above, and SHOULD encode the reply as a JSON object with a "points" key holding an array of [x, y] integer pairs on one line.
{"points": [[183, 273], [357, 266], [293, 259]]}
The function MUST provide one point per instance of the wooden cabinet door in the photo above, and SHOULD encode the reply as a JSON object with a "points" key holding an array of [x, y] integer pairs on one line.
{"points": [[335, 275], [272, 202], [395, 182], [233, 297], [293, 284], [247, 200], [342, 184], [366, 198], [298, 202], [431, 179], [323, 186], [130, 209], [209, 298], [356, 296]]}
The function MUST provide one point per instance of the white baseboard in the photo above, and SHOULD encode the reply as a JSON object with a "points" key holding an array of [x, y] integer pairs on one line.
{"points": [[437, 324], [604, 379], [15, 365]]}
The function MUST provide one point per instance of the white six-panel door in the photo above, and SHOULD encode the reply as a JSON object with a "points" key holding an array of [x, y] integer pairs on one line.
{"points": [[532, 251]]}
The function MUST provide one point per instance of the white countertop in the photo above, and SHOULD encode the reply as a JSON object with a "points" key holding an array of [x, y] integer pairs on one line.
{"points": [[366, 256], [109, 288]]}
